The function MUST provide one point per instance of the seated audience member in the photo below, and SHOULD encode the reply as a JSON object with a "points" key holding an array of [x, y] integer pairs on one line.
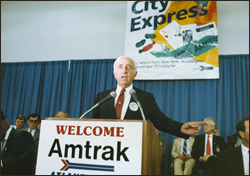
{"points": [[206, 149], [33, 121], [20, 122], [62, 114], [235, 161], [216, 132], [163, 142], [233, 140], [181, 153], [17, 150]]}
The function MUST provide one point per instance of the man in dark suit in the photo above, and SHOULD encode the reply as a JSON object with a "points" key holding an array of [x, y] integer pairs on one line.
{"points": [[17, 150], [235, 161], [33, 121], [206, 149], [125, 72]]}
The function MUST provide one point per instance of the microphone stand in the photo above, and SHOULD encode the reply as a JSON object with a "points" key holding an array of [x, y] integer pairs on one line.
{"points": [[89, 110]]}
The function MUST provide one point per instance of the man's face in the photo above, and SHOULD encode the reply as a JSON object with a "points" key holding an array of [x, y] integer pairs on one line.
{"points": [[208, 128], [245, 135], [124, 72], [33, 122], [19, 123]]}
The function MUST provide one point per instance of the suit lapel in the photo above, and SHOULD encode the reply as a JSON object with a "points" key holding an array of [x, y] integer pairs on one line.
{"points": [[179, 145], [7, 142]]}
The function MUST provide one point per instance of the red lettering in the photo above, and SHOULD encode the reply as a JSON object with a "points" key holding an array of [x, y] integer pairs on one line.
{"points": [[119, 130], [85, 130], [100, 131], [78, 130], [107, 131], [61, 129], [71, 128]]}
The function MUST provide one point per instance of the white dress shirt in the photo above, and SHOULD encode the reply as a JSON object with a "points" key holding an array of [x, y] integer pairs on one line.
{"points": [[32, 132], [245, 155], [127, 97]]}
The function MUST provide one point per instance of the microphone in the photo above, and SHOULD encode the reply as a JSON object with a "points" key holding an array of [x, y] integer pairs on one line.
{"points": [[112, 94], [133, 94]]}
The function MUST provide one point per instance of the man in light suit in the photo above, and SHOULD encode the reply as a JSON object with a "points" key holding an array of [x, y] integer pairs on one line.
{"points": [[181, 157], [206, 149], [125, 72], [235, 161], [17, 150]]}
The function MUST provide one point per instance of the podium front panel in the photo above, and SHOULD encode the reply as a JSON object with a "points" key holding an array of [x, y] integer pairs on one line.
{"points": [[96, 147]]}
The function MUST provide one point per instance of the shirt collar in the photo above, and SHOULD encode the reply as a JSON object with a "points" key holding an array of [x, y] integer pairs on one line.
{"points": [[118, 89], [244, 149], [211, 135]]}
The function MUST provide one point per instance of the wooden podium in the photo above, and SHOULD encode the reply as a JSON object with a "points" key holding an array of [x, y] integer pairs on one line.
{"points": [[96, 133]]}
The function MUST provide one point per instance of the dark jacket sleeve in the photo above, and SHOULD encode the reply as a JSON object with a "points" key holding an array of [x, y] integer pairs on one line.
{"points": [[159, 119]]}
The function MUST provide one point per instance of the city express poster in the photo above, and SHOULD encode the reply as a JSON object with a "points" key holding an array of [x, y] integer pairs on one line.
{"points": [[173, 39]]}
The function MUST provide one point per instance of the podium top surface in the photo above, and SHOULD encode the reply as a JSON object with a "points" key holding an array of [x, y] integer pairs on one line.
{"points": [[77, 119]]}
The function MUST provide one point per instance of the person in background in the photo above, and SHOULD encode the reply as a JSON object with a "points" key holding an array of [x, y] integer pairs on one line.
{"points": [[20, 122], [61, 114], [17, 150], [235, 161], [206, 149], [163, 143], [181, 153], [216, 132], [33, 121]]}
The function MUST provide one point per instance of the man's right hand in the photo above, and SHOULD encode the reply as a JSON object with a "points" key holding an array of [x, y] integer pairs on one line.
{"points": [[204, 158]]}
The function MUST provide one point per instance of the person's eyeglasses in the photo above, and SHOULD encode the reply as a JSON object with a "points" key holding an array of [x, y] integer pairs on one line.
{"points": [[33, 121]]}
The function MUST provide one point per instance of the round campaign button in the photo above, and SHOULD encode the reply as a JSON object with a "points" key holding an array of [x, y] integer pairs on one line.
{"points": [[133, 106]]}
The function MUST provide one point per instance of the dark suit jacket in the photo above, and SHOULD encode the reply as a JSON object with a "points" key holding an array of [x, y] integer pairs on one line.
{"points": [[230, 162], [151, 110], [18, 156], [199, 147], [232, 139], [163, 142], [36, 138]]}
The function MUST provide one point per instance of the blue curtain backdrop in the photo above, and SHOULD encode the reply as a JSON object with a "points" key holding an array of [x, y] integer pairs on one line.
{"points": [[47, 87]]}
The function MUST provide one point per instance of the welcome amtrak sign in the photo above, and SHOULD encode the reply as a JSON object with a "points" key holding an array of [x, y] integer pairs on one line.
{"points": [[89, 148]]}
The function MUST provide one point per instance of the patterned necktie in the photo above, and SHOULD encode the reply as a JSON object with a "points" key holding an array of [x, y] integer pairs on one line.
{"points": [[119, 104], [208, 146], [185, 147]]}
